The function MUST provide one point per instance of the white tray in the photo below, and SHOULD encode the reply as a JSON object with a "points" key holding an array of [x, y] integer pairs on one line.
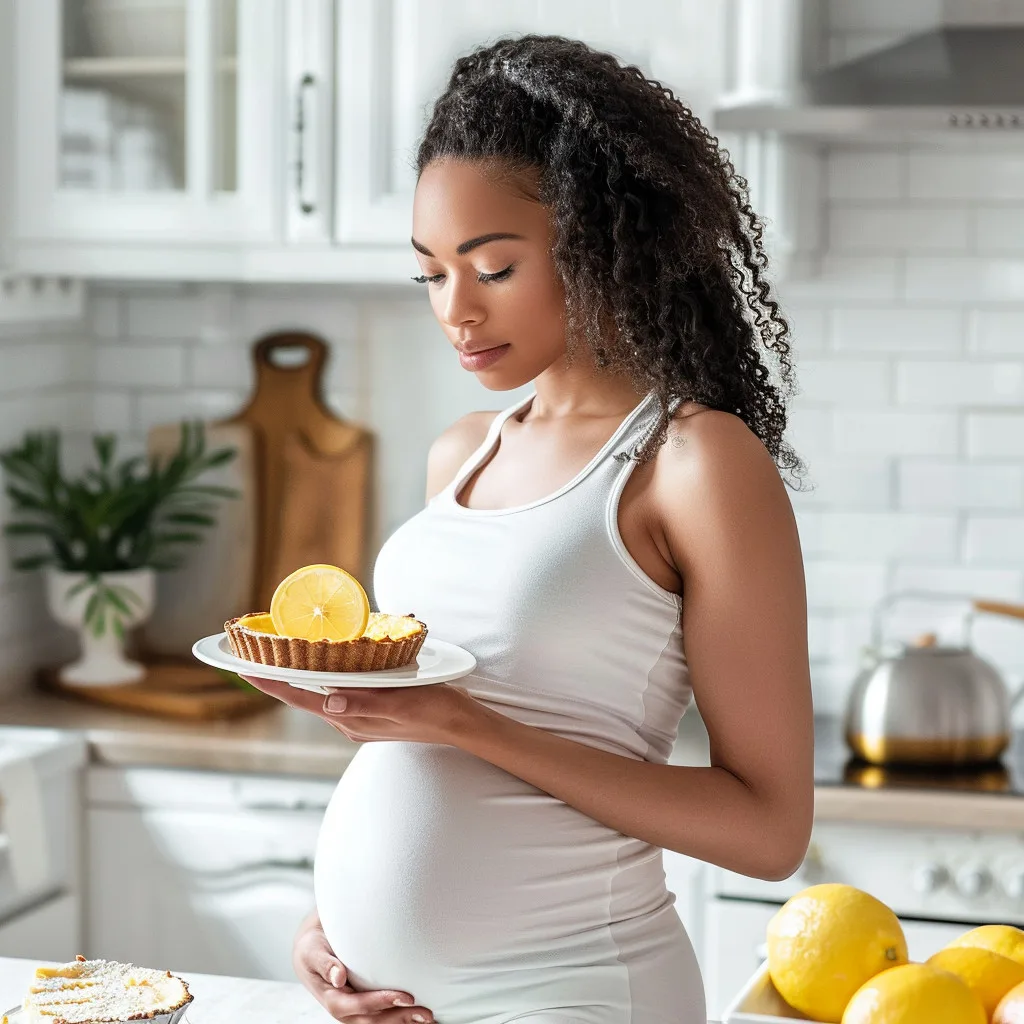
{"points": [[760, 1003], [437, 662]]}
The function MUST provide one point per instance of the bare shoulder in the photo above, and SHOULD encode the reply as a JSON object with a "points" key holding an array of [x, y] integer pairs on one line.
{"points": [[714, 472], [453, 446]]}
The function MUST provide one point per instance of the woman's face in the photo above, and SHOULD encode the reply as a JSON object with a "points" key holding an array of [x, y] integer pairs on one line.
{"points": [[485, 253]]}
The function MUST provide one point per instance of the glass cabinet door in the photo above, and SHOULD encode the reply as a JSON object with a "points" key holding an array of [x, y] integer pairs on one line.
{"points": [[147, 118]]}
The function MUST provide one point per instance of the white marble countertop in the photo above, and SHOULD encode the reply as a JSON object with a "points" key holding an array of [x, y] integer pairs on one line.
{"points": [[218, 1000], [283, 741]]}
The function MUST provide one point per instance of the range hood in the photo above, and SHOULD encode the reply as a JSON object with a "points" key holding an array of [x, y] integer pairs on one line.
{"points": [[945, 79]]}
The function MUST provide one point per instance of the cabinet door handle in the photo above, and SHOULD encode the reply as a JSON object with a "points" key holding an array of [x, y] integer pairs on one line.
{"points": [[306, 83]]}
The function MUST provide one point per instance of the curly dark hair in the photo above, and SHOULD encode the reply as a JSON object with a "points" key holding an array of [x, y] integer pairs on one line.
{"points": [[655, 240]]}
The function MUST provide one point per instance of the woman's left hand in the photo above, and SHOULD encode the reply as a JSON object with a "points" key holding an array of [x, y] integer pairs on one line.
{"points": [[437, 713]]}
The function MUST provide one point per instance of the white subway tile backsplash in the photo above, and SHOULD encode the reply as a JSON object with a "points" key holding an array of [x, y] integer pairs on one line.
{"points": [[997, 332], [149, 366], [878, 536], [995, 436], [1000, 230], [995, 540], [898, 229], [839, 585], [841, 380], [942, 173], [848, 483], [37, 365], [954, 485], [167, 314], [947, 384], [105, 313], [996, 584], [838, 637], [973, 279], [884, 432], [809, 430], [110, 412], [845, 277], [866, 173], [154, 408], [858, 329], [216, 365], [808, 328], [908, 346]]}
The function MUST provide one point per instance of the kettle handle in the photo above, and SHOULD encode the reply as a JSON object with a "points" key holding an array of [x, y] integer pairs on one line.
{"points": [[973, 605], [889, 600]]}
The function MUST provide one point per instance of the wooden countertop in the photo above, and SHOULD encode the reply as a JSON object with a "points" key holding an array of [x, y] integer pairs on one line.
{"points": [[283, 741]]}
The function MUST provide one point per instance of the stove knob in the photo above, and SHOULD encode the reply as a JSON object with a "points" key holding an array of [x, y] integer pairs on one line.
{"points": [[1014, 884], [973, 880], [929, 877]]}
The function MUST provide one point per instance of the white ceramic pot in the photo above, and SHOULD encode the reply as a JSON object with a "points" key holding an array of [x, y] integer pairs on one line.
{"points": [[103, 661]]}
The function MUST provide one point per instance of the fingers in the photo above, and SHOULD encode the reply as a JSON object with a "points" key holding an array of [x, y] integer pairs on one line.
{"points": [[376, 1007], [306, 700]]}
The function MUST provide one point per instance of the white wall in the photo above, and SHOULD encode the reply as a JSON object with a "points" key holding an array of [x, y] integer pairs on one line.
{"points": [[45, 381], [910, 351], [911, 359]]}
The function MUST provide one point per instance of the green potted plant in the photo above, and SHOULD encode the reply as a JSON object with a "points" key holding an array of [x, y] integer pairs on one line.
{"points": [[106, 533]]}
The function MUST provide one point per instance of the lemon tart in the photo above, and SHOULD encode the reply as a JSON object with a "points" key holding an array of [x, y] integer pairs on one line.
{"points": [[388, 641], [320, 621], [101, 991]]}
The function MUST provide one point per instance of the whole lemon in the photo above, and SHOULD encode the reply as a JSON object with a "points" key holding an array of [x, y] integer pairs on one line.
{"points": [[825, 942], [914, 994], [1011, 1007], [1000, 938], [989, 974]]}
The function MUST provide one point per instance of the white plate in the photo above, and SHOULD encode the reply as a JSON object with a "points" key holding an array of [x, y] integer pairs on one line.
{"points": [[437, 662], [758, 1002]]}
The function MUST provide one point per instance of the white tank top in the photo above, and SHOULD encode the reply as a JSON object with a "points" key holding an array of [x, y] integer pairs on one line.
{"points": [[439, 873], [569, 633]]}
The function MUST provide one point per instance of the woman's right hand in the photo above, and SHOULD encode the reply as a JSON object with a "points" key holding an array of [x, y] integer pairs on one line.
{"points": [[326, 977]]}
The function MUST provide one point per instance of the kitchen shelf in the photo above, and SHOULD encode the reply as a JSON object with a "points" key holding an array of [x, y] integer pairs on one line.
{"points": [[88, 68]]}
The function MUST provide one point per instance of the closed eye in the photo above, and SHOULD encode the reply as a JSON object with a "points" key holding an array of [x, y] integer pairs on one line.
{"points": [[500, 275]]}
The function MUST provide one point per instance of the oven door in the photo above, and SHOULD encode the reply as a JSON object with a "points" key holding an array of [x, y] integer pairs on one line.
{"points": [[735, 934]]}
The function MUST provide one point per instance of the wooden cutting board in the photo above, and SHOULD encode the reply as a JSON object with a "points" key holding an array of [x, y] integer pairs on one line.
{"points": [[193, 692], [312, 469], [216, 579]]}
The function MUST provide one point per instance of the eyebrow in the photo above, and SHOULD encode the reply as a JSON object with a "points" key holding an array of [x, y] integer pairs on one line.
{"points": [[470, 243]]}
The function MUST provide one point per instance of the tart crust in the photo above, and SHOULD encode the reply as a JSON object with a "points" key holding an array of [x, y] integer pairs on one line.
{"points": [[364, 654]]}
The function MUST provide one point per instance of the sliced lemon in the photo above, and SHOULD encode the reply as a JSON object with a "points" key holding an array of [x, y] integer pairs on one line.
{"points": [[320, 602], [258, 623]]}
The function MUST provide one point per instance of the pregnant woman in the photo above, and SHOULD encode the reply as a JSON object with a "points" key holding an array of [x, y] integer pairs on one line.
{"points": [[612, 544]]}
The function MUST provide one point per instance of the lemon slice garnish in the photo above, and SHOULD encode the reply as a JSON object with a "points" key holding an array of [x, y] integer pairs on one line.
{"points": [[320, 602]]}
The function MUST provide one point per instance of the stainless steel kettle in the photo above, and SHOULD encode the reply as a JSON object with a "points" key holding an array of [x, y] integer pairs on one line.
{"points": [[929, 703]]}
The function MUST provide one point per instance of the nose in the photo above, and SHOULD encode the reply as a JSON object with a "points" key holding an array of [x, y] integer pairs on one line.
{"points": [[461, 302]]}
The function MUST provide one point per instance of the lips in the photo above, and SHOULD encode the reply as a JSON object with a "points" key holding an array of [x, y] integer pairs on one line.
{"points": [[466, 351]]}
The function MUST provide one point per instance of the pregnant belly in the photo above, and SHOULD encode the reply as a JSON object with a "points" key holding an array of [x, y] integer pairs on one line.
{"points": [[433, 866]]}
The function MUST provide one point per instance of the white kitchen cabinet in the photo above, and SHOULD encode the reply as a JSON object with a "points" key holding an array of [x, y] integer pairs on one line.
{"points": [[142, 124], [200, 871], [394, 57], [266, 140]]}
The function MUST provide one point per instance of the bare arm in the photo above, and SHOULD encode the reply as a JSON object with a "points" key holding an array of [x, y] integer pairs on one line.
{"points": [[730, 529]]}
